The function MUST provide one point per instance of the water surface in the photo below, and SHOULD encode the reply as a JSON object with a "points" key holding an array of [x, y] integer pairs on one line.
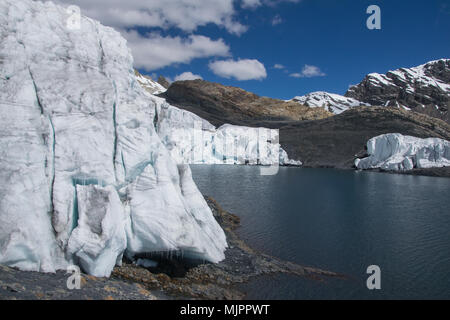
{"points": [[342, 221]]}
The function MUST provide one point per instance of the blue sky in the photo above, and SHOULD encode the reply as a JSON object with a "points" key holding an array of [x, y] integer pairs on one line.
{"points": [[329, 36]]}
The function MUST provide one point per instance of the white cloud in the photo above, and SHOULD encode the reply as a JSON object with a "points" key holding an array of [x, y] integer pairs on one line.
{"points": [[186, 15], [278, 66], [188, 76], [154, 51], [250, 3], [277, 20], [308, 71], [242, 69]]}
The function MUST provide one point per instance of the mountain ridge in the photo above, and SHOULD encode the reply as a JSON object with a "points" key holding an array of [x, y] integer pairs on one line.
{"points": [[424, 89], [221, 104]]}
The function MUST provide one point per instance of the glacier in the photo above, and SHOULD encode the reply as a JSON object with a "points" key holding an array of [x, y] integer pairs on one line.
{"points": [[85, 176], [397, 152], [193, 140], [94, 166]]}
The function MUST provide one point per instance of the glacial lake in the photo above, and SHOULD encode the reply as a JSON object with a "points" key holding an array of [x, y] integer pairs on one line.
{"points": [[342, 221]]}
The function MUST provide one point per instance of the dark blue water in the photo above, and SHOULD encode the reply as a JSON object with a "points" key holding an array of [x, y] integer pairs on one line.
{"points": [[342, 221]]}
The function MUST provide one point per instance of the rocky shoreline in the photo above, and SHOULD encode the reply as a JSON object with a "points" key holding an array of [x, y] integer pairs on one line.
{"points": [[131, 282], [443, 172]]}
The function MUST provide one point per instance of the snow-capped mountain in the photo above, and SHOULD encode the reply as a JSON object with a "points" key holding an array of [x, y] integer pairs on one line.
{"points": [[149, 84], [332, 102], [394, 151], [85, 178], [424, 89]]}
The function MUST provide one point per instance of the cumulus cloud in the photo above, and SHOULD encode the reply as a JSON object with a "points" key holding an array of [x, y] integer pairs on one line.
{"points": [[242, 69], [188, 76], [278, 66], [186, 15], [308, 71], [153, 51]]}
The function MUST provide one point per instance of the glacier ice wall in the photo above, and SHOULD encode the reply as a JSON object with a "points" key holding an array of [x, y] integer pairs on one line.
{"points": [[394, 151], [83, 172], [193, 140]]}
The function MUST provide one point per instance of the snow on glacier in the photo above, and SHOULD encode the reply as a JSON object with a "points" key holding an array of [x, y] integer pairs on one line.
{"points": [[394, 151], [84, 174], [193, 140]]}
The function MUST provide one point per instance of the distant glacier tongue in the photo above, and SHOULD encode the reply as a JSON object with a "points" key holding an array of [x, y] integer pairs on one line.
{"points": [[397, 152], [84, 176]]}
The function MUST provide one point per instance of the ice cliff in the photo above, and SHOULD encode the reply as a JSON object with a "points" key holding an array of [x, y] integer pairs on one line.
{"points": [[85, 178], [394, 151], [194, 140]]}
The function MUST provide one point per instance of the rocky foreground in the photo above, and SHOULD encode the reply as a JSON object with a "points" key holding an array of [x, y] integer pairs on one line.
{"points": [[173, 279]]}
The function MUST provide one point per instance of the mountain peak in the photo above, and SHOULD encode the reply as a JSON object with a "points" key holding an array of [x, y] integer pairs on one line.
{"points": [[424, 89], [163, 82], [149, 84]]}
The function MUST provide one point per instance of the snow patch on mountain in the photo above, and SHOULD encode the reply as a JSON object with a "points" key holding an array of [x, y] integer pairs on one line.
{"points": [[334, 103], [394, 151]]}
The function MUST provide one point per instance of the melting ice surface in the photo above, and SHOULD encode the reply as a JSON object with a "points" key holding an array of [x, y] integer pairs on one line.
{"points": [[84, 176]]}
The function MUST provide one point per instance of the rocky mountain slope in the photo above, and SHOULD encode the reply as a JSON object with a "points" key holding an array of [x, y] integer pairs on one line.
{"points": [[424, 89], [336, 141], [163, 81], [221, 104], [328, 142]]}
